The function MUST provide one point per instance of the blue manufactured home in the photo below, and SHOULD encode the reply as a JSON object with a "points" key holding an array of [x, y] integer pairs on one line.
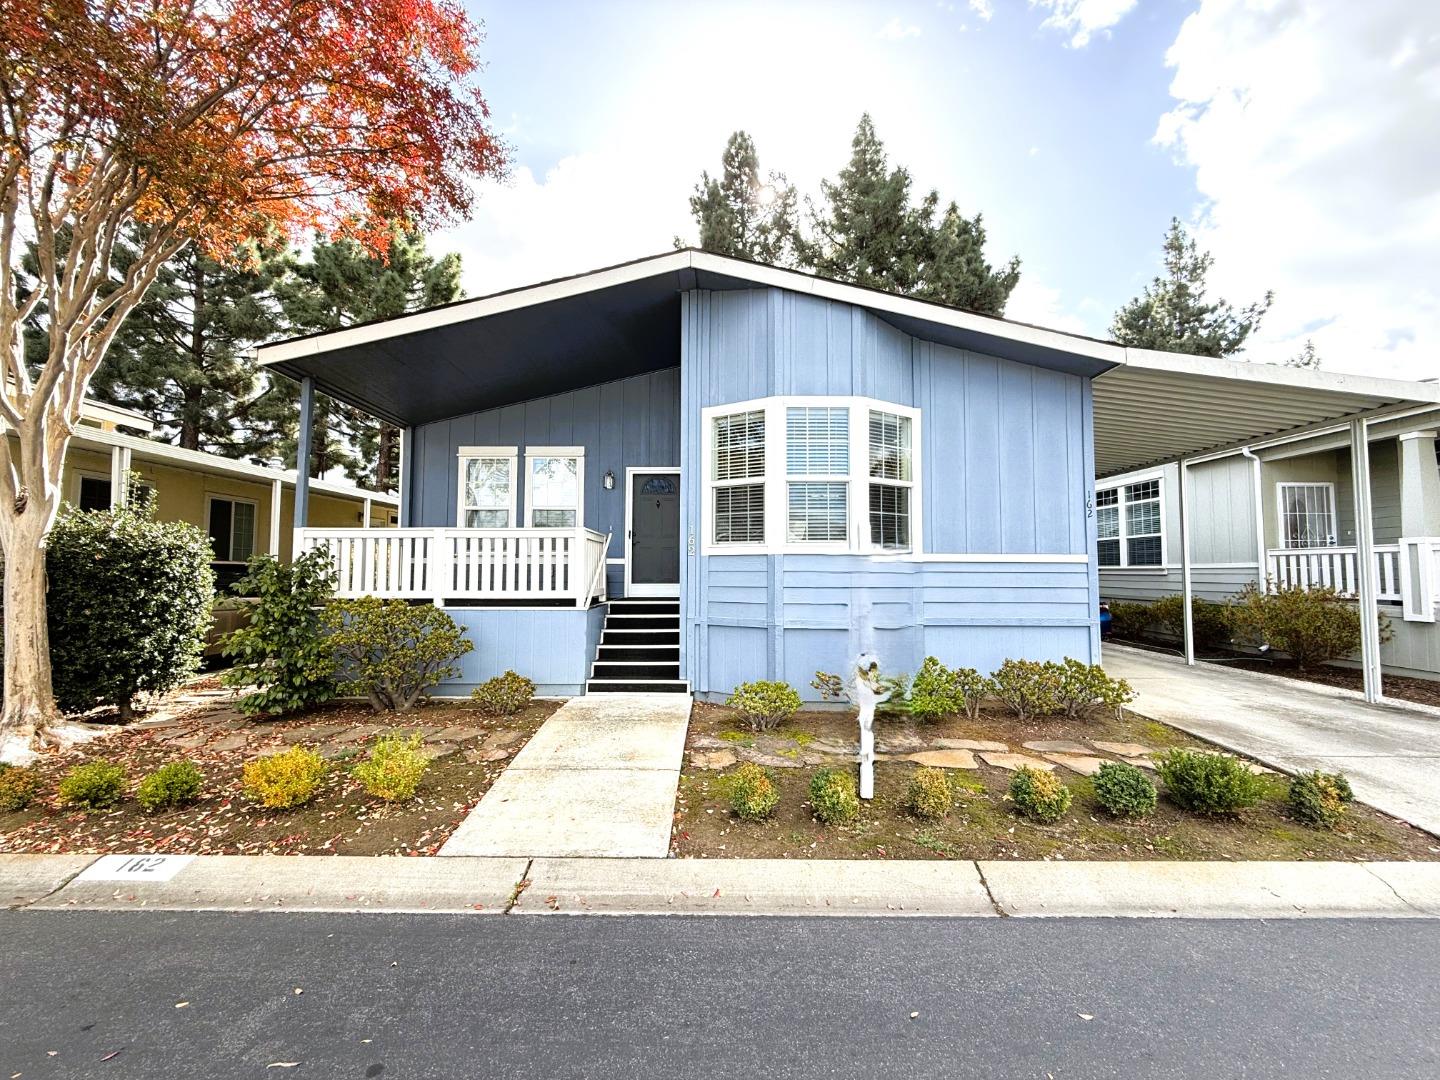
{"points": [[692, 471]]}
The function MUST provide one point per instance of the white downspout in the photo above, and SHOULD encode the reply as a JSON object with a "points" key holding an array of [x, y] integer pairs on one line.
{"points": [[1262, 568]]}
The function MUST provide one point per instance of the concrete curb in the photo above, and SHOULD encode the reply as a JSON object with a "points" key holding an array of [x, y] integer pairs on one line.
{"points": [[1193, 890]]}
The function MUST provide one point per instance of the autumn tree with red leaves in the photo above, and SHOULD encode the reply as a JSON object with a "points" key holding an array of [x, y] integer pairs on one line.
{"points": [[208, 123]]}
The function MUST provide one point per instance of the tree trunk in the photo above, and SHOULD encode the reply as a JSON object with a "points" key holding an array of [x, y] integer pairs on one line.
{"points": [[385, 459], [29, 699]]}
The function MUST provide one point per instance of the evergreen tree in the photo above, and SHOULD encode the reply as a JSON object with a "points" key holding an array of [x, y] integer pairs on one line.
{"points": [[1307, 357], [1173, 314], [342, 284], [870, 233], [739, 214], [184, 357]]}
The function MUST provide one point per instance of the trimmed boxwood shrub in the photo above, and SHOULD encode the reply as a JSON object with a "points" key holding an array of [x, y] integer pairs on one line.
{"points": [[1208, 783], [1125, 790], [280, 651], [18, 787], [833, 795], [284, 780], [1084, 687], [1212, 622], [1028, 687], [765, 704], [939, 691], [173, 784], [929, 794], [394, 769], [753, 795], [1039, 795], [1319, 798], [1129, 620], [95, 785], [504, 695], [128, 605], [391, 652], [1311, 626]]}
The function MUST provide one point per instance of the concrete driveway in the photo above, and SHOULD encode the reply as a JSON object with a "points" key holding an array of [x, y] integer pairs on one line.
{"points": [[1391, 754]]}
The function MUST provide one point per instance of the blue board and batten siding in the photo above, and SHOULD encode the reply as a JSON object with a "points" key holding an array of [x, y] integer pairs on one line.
{"points": [[1006, 469]]}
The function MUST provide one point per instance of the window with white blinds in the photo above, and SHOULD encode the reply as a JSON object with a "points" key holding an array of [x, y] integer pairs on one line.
{"points": [[1129, 525], [738, 478], [812, 474]]}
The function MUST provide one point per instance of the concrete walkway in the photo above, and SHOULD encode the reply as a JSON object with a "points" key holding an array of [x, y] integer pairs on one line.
{"points": [[1391, 754], [598, 779]]}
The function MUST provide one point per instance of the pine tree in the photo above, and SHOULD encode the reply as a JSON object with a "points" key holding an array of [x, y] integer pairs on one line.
{"points": [[870, 233], [1173, 314], [342, 284], [1306, 358], [739, 214], [184, 357]]}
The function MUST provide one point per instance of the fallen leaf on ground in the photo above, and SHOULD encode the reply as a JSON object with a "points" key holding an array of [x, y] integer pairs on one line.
{"points": [[111, 1054], [282, 1064], [182, 1004], [1085, 1016]]}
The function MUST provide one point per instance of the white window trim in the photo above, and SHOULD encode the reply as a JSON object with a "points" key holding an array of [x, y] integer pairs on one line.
{"points": [[469, 452], [1121, 503], [576, 452], [776, 479], [1280, 486], [210, 499]]}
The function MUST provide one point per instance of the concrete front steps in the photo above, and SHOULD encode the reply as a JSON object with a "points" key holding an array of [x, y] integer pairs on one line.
{"points": [[639, 651]]}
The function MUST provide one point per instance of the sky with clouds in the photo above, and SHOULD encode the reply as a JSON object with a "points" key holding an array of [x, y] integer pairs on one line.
{"points": [[1297, 138]]}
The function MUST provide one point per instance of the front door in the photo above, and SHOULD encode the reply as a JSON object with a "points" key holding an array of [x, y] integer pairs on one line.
{"points": [[652, 541]]}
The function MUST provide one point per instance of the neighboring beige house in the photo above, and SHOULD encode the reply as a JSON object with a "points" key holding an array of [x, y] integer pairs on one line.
{"points": [[1292, 501], [246, 509]]}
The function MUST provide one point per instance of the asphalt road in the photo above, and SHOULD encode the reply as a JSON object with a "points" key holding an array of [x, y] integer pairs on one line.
{"points": [[405, 997]]}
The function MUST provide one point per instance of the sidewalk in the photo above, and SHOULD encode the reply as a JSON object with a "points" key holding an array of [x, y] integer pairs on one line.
{"points": [[1390, 754], [598, 779], [288, 883]]}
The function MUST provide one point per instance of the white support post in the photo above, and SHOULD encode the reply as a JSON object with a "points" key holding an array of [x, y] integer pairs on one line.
{"points": [[365, 514], [277, 500], [1187, 584], [407, 440], [1365, 559], [119, 476], [441, 567]]}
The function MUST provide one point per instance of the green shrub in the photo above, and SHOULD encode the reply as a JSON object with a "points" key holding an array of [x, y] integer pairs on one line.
{"points": [[1028, 687], [280, 651], [1039, 795], [939, 691], [1319, 798], [284, 780], [1083, 687], [95, 785], [1208, 783], [18, 786], [128, 605], [765, 705], [1211, 621], [929, 794], [1129, 620], [830, 685], [504, 695], [1125, 790], [1311, 626], [394, 768], [172, 784], [833, 795], [391, 652], [753, 795]]}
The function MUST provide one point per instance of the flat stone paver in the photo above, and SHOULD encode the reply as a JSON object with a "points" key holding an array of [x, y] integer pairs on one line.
{"points": [[1015, 761], [944, 759], [597, 780], [1058, 746], [1390, 754], [1083, 764], [972, 744]]}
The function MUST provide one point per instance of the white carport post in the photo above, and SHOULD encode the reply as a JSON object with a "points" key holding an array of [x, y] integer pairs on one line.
{"points": [[119, 476], [1365, 558], [1187, 585], [277, 499]]}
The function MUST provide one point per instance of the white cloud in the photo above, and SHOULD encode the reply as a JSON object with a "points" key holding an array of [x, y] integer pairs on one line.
{"points": [[895, 30], [984, 10], [1311, 128], [1036, 303], [1083, 19]]}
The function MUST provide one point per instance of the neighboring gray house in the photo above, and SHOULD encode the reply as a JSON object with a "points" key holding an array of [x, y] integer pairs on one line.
{"points": [[691, 471], [1283, 511]]}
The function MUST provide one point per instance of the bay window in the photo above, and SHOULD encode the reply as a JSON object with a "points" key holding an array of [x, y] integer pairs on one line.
{"points": [[554, 486], [810, 474], [1129, 525], [487, 487]]}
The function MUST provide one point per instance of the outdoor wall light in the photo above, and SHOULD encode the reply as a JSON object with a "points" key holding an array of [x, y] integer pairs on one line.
{"points": [[609, 481]]}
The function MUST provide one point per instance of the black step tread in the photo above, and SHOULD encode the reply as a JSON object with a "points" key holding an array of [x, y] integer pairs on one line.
{"points": [[636, 637], [601, 670], [641, 653], [636, 686]]}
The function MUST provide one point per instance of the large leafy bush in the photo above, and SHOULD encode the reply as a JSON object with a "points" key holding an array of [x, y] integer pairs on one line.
{"points": [[765, 704], [1310, 625], [1028, 687], [281, 651], [939, 691], [128, 605], [391, 652], [1212, 622], [1083, 687], [1129, 620], [1208, 783]]}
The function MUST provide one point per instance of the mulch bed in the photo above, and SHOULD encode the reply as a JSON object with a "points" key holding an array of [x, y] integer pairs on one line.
{"points": [[983, 825], [341, 820]]}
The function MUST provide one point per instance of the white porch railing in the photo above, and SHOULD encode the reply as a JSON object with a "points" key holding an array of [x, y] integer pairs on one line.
{"points": [[464, 564], [1406, 573]]}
